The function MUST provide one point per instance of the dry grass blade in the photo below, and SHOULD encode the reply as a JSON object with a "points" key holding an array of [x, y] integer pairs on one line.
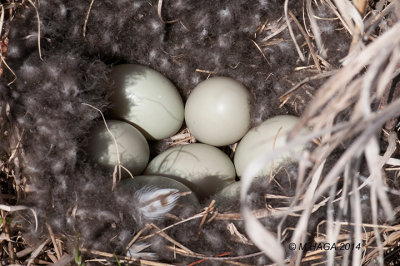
{"points": [[3, 61], [122, 259], [351, 16], [38, 23], [312, 51], [87, 18], [58, 253], [325, 99], [262, 238], [361, 6], [261, 52], [322, 75], [173, 241], [315, 29], [37, 251], [291, 32], [159, 8]]}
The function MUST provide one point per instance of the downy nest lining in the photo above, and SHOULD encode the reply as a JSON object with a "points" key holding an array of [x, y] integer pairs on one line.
{"points": [[46, 99]]}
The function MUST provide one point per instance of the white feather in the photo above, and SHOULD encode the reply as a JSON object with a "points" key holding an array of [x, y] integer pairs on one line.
{"points": [[154, 203]]}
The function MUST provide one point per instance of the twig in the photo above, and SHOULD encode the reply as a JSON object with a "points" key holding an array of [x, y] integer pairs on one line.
{"points": [[159, 8], [87, 18], [37, 251], [283, 98], [312, 51], [183, 253], [136, 237], [209, 208], [260, 50], [58, 253], [38, 22], [121, 258], [173, 241], [291, 32]]}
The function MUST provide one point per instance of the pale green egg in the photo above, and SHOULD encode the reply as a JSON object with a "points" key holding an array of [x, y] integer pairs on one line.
{"points": [[133, 149], [228, 194], [217, 111], [269, 135], [160, 182], [203, 168], [147, 99]]}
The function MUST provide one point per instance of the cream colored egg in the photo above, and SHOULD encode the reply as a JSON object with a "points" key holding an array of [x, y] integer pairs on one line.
{"points": [[269, 135], [217, 111], [203, 168], [147, 99], [155, 181], [132, 146]]}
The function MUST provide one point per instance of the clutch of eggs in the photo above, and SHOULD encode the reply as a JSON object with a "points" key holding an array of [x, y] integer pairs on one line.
{"points": [[217, 112]]}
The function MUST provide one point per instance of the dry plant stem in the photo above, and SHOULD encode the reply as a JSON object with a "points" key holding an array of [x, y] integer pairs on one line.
{"points": [[370, 128], [279, 30], [357, 217], [300, 232], [1, 52], [260, 50], [382, 161], [390, 240], [351, 16], [58, 253], [122, 259], [173, 241], [335, 84], [38, 22], [291, 32], [136, 237], [361, 6], [197, 216], [87, 18], [335, 11], [7, 237], [332, 231], [183, 253], [315, 29], [373, 22], [209, 208], [285, 97], [37, 251], [159, 8], [312, 51], [202, 260]]}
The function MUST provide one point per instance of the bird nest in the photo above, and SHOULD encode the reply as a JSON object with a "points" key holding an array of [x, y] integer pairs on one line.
{"points": [[335, 64]]}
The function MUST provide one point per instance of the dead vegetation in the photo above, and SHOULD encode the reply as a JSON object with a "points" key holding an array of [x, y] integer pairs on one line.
{"points": [[358, 106]]}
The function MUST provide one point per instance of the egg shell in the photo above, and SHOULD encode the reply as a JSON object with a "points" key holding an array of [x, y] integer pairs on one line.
{"points": [[147, 99], [228, 194], [133, 149], [269, 135], [217, 111], [203, 168], [160, 182]]}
